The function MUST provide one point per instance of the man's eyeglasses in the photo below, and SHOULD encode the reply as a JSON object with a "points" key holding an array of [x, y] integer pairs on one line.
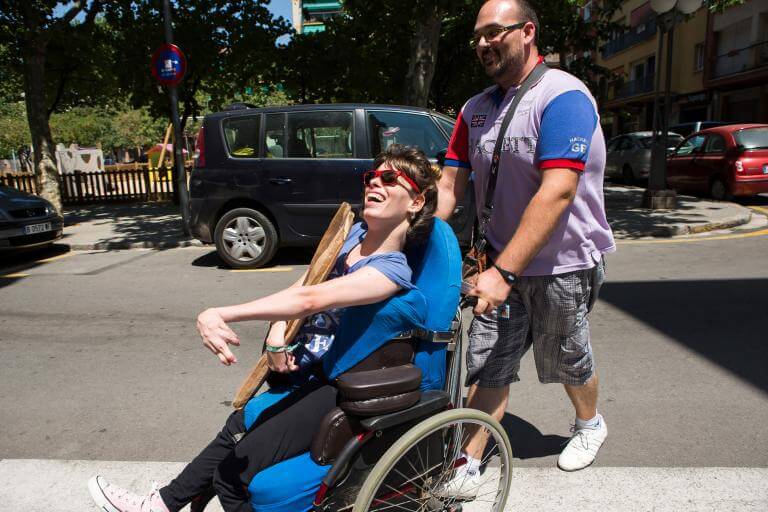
{"points": [[493, 33], [389, 178]]}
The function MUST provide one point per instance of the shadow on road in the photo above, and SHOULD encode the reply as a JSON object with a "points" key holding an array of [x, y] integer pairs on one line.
{"points": [[284, 257], [14, 264], [527, 441], [128, 223], [722, 320]]}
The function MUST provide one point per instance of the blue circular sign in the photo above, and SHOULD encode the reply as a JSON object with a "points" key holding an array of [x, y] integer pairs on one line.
{"points": [[169, 65]]}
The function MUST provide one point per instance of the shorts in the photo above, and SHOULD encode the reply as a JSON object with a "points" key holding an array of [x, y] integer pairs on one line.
{"points": [[546, 312]]}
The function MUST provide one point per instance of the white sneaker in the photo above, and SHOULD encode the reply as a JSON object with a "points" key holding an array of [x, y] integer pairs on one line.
{"points": [[464, 485], [110, 498], [582, 449]]}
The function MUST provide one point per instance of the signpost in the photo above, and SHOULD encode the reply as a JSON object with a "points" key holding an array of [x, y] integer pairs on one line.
{"points": [[169, 65]]}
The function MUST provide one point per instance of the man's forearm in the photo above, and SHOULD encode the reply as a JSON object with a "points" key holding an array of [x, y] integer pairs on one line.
{"points": [[539, 221]]}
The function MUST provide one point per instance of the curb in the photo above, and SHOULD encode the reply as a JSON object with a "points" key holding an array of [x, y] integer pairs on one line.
{"points": [[689, 229], [124, 244]]}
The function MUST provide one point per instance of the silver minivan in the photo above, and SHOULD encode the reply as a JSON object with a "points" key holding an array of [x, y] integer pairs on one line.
{"points": [[628, 156]]}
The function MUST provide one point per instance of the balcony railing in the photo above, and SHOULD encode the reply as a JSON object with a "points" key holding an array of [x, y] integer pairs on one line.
{"points": [[619, 89], [628, 39], [741, 60]]}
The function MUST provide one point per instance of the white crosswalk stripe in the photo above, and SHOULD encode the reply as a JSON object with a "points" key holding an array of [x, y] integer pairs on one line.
{"points": [[37, 485]]}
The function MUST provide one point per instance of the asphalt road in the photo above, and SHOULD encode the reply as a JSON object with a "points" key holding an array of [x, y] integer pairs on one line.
{"points": [[99, 357]]}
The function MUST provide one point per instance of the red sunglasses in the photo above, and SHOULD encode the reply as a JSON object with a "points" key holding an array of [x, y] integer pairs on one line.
{"points": [[389, 178]]}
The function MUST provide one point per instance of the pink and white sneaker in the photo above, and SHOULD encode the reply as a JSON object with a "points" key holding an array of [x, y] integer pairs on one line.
{"points": [[110, 498]]}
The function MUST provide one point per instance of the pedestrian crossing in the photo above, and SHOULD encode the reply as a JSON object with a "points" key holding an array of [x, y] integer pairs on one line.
{"points": [[39, 485]]}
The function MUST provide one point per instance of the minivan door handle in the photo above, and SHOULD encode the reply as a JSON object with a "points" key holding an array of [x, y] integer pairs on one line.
{"points": [[280, 181]]}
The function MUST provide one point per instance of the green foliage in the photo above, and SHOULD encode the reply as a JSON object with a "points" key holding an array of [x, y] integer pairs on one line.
{"points": [[14, 132], [227, 44]]}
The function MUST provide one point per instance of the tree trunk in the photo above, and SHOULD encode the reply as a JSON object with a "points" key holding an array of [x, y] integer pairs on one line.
{"points": [[421, 65], [46, 172]]}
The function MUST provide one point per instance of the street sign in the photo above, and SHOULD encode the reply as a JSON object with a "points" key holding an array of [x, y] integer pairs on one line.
{"points": [[169, 65]]}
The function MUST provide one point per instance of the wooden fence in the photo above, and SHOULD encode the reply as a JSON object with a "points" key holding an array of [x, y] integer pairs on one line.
{"points": [[130, 184]]}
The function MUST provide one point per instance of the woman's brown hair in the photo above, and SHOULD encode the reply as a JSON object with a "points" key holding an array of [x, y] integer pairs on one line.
{"points": [[412, 161]]}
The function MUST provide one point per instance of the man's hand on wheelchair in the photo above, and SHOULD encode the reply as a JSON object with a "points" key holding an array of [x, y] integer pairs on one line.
{"points": [[216, 335], [491, 291]]}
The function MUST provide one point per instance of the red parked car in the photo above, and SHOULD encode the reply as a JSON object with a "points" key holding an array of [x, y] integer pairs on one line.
{"points": [[723, 162]]}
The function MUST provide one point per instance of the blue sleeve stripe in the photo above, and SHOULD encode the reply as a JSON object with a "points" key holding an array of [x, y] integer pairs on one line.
{"points": [[457, 163], [567, 126]]}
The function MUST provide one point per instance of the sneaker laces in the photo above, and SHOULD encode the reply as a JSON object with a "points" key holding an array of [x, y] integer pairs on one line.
{"points": [[583, 437]]}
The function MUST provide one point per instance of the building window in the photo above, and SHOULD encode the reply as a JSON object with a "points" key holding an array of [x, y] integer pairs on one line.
{"points": [[698, 57]]}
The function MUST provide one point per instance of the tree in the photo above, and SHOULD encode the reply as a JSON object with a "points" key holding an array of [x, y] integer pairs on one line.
{"points": [[228, 44], [28, 30]]}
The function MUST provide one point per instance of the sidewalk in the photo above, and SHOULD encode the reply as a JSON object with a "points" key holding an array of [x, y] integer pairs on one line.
{"points": [[158, 225]]}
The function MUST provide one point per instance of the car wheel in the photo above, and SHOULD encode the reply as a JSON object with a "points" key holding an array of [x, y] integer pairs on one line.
{"points": [[718, 189], [245, 238], [627, 175]]}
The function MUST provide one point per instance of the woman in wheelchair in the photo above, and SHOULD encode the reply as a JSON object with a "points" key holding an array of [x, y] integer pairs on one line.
{"points": [[399, 200]]}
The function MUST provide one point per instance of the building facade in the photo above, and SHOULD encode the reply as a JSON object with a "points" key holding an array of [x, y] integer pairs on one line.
{"points": [[310, 15], [719, 67]]}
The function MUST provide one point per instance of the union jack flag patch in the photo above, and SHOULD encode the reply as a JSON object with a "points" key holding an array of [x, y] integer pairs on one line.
{"points": [[478, 121]]}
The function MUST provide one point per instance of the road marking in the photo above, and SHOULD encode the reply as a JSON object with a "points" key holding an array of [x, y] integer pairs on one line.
{"points": [[762, 232], [54, 258], [761, 209], [273, 269], [17, 275]]}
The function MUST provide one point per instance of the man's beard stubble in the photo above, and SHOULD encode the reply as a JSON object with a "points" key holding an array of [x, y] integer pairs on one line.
{"points": [[510, 63]]}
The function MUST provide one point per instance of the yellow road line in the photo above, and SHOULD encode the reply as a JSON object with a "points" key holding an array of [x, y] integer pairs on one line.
{"points": [[17, 275], [761, 209], [273, 269], [762, 232], [54, 258]]}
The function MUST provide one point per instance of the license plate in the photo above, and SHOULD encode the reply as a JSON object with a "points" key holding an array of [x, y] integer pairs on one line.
{"points": [[37, 228]]}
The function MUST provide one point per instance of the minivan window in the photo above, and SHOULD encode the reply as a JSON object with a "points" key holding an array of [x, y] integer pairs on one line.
{"points": [[242, 136], [752, 138], [387, 128], [274, 135], [318, 135]]}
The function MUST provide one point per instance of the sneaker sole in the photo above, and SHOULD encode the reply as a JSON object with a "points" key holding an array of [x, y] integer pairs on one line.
{"points": [[98, 496]]}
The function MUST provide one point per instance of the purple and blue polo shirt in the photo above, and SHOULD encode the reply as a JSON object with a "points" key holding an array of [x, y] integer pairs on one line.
{"points": [[556, 125]]}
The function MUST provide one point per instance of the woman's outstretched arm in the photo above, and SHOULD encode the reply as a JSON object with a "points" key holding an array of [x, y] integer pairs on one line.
{"points": [[364, 286]]}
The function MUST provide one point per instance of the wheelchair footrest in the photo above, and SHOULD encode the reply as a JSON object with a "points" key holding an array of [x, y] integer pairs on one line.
{"points": [[431, 401]]}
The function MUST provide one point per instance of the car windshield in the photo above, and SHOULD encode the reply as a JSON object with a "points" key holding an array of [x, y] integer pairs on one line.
{"points": [[752, 138], [672, 141]]}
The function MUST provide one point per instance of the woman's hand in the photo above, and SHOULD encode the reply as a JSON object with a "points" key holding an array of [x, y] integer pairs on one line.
{"points": [[216, 335], [281, 362]]}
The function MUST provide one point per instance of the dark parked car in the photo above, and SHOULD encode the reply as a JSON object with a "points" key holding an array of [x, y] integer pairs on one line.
{"points": [[27, 220], [725, 161], [271, 177]]}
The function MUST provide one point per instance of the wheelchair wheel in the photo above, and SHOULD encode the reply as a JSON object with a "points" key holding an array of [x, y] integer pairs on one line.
{"points": [[413, 473]]}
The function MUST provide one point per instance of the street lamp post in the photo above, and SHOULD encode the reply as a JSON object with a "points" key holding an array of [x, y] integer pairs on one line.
{"points": [[657, 195]]}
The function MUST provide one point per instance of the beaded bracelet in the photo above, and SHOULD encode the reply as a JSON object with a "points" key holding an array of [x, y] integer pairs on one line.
{"points": [[284, 348]]}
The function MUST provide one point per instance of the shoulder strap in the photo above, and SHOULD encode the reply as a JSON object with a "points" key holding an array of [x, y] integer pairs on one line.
{"points": [[485, 215]]}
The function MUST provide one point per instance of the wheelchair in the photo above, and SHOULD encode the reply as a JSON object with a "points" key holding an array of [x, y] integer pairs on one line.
{"points": [[394, 440]]}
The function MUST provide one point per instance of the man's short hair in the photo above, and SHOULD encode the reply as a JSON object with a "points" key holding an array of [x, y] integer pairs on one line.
{"points": [[526, 13]]}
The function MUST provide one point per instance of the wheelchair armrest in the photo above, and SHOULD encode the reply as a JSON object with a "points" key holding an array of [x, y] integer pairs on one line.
{"points": [[430, 402]]}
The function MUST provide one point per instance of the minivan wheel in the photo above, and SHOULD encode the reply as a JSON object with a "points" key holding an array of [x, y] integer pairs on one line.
{"points": [[245, 238], [718, 189]]}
